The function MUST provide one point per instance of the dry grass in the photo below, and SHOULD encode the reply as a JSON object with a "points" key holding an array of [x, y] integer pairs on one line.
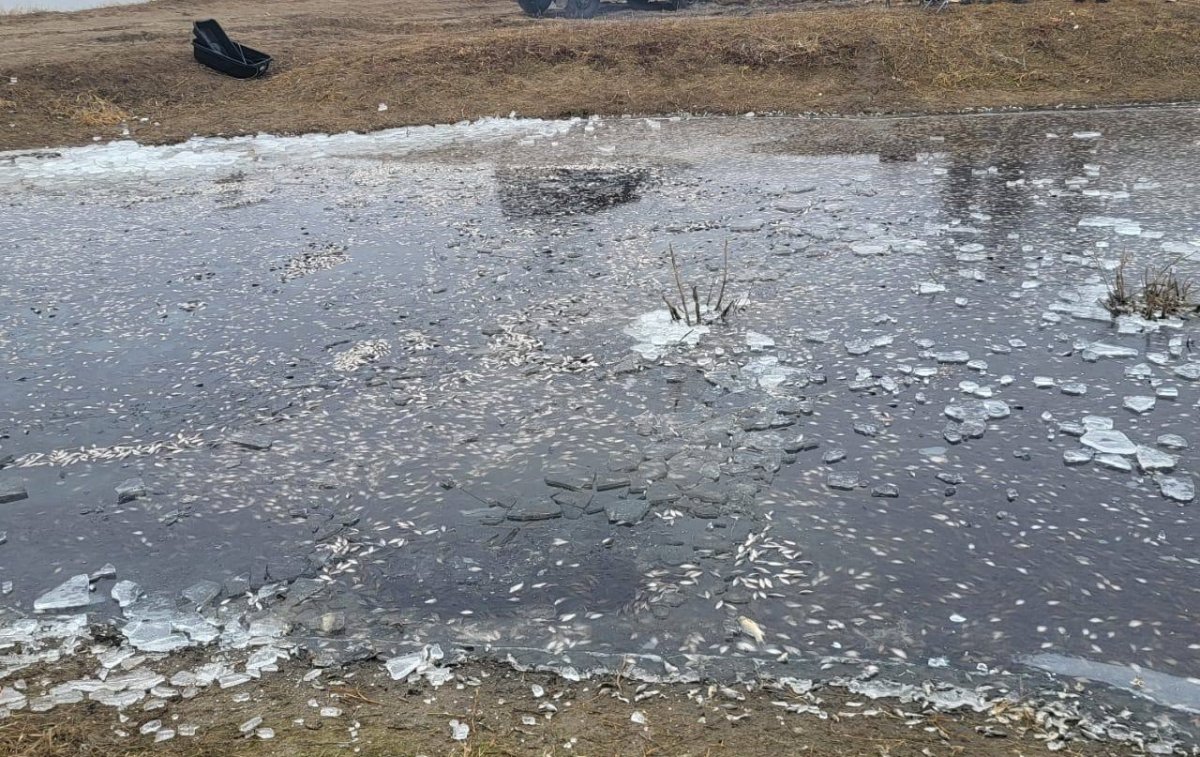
{"points": [[92, 111], [825, 59], [689, 310], [1166, 292], [1161, 292]]}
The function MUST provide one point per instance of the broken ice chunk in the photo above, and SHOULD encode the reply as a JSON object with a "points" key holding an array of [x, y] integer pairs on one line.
{"points": [[1115, 462], [1098, 350], [12, 490], [1172, 441], [951, 357], [250, 724], [202, 592], [1139, 371], [126, 593], [1109, 442], [756, 341], [1150, 459], [74, 592], [843, 480], [1178, 488], [1077, 456], [1189, 371], [980, 411], [251, 440], [153, 636], [402, 667], [129, 490], [1139, 404]]}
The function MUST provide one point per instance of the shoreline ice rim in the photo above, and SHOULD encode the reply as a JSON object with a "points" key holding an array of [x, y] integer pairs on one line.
{"points": [[128, 159]]}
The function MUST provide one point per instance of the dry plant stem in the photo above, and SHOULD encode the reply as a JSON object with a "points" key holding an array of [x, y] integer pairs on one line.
{"points": [[679, 284], [724, 277], [670, 307], [696, 300]]}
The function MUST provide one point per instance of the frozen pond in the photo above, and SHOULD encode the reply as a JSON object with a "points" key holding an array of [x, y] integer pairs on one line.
{"points": [[423, 366], [34, 6]]}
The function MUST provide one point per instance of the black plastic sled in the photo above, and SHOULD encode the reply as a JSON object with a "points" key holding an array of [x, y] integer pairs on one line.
{"points": [[213, 47]]}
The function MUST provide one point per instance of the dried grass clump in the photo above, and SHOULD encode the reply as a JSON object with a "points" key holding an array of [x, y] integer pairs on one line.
{"points": [[1162, 291], [689, 311], [92, 110]]}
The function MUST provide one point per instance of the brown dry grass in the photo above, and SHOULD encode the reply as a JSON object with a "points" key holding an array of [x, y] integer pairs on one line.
{"points": [[1162, 292], [91, 111], [860, 59]]}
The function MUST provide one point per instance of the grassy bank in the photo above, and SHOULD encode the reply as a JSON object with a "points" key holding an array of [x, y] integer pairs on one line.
{"points": [[857, 59]]}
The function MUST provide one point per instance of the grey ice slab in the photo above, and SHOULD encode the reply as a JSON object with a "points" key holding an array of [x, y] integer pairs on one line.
{"points": [[72, 593], [1179, 488], [1109, 442], [1172, 691], [11, 489]]}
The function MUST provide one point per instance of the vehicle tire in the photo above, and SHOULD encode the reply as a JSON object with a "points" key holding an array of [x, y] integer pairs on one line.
{"points": [[581, 8], [534, 7]]}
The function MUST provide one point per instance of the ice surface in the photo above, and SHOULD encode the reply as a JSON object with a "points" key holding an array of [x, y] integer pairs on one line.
{"points": [[128, 160], [657, 334], [1172, 691]]}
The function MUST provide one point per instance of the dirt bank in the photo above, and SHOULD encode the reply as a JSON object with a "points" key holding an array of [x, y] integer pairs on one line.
{"points": [[98, 73], [361, 711]]}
